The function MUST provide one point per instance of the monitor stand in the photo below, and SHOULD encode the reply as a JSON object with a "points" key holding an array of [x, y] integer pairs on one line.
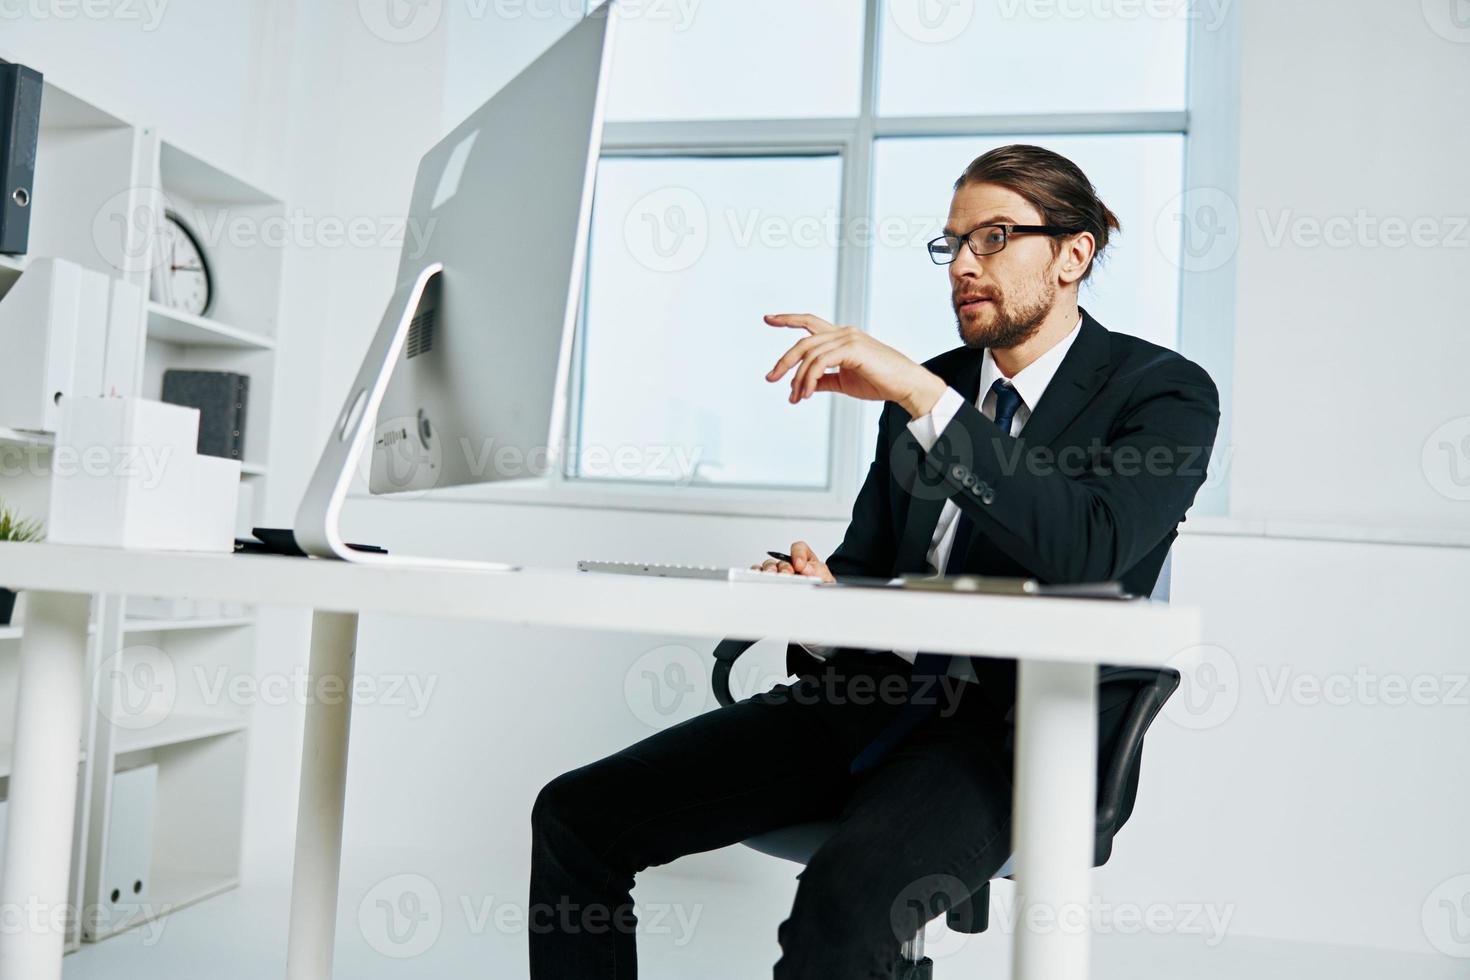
{"points": [[318, 520]]}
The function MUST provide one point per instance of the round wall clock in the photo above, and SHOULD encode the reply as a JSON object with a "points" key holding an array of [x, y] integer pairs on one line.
{"points": [[181, 279]]}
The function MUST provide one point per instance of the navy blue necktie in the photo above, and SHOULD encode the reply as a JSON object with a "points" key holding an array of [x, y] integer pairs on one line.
{"points": [[1007, 401], [930, 667]]}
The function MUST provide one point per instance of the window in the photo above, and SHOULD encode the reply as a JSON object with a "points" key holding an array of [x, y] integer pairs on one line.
{"points": [[765, 155], [721, 59], [949, 57], [686, 254], [1135, 288]]}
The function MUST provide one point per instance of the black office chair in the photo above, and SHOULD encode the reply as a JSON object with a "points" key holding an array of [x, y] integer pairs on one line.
{"points": [[1119, 761]]}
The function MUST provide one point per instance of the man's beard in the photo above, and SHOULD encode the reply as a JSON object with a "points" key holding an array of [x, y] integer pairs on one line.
{"points": [[1011, 326]]}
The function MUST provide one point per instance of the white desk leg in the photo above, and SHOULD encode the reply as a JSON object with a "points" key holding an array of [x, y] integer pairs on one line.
{"points": [[1055, 817], [318, 864], [43, 786]]}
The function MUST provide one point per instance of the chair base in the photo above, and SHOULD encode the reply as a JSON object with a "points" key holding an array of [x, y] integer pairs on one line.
{"points": [[922, 970], [971, 916]]}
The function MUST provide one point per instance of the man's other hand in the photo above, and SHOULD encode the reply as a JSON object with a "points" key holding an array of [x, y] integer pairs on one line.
{"points": [[804, 561]]}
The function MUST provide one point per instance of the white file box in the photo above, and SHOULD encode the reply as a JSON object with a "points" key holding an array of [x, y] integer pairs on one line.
{"points": [[125, 474], [127, 877], [53, 330]]}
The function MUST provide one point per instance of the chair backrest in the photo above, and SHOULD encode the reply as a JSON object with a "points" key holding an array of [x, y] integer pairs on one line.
{"points": [[1120, 762]]}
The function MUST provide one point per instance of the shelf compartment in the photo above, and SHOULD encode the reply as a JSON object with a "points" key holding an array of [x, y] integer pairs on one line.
{"points": [[197, 832], [158, 625], [11, 266], [7, 758], [171, 890], [24, 437], [174, 327], [176, 729], [61, 109], [186, 174], [176, 625]]}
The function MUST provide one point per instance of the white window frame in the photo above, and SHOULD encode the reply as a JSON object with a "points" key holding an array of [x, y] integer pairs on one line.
{"points": [[1206, 302]]}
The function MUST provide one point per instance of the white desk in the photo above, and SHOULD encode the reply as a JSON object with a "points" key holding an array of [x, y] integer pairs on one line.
{"points": [[1059, 643]]}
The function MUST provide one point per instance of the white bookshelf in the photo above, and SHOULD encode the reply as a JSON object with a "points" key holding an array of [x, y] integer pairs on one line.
{"points": [[7, 757], [158, 626], [198, 822], [173, 889], [130, 625], [85, 156], [173, 327], [96, 173], [176, 729], [11, 266], [21, 437], [179, 625]]}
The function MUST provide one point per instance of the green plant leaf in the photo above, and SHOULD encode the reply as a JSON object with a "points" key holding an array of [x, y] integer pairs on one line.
{"points": [[13, 527]]}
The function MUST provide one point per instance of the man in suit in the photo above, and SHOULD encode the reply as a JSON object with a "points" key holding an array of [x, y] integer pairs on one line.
{"points": [[1046, 446]]}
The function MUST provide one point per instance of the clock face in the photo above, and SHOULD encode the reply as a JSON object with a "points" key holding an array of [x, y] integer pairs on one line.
{"points": [[181, 279]]}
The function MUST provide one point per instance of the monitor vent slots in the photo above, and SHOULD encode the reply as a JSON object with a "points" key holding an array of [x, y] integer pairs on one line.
{"points": [[420, 334]]}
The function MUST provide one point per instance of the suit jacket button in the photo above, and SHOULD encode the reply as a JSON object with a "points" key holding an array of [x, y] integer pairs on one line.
{"points": [[959, 472], [988, 496]]}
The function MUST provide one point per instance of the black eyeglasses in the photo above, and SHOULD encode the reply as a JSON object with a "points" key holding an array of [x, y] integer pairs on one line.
{"points": [[987, 240]]}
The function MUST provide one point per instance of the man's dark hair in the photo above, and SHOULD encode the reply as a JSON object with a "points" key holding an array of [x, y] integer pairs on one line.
{"points": [[1052, 184]]}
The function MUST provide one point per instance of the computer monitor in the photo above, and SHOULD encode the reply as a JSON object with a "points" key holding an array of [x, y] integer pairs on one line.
{"points": [[466, 379]]}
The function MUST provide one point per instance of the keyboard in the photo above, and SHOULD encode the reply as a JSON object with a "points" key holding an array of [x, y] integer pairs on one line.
{"points": [[707, 572]]}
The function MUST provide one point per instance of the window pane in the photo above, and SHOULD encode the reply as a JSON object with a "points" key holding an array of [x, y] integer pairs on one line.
{"points": [[1135, 290], [684, 59], [949, 57], [686, 255]]}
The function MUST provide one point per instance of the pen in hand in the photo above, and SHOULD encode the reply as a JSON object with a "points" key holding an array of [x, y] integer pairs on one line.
{"points": [[814, 566]]}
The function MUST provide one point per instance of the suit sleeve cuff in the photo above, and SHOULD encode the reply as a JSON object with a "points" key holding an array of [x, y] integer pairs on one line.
{"points": [[927, 428]]}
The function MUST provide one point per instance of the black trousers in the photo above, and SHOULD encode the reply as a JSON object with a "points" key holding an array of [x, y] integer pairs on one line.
{"points": [[930, 819]]}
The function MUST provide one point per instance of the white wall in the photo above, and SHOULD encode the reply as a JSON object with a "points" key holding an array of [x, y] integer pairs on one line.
{"points": [[1348, 356], [1321, 821], [196, 70], [1317, 793]]}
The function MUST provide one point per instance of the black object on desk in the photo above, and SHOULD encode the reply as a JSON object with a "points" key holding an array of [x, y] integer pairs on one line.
{"points": [[282, 541], [221, 397], [992, 585], [20, 133]]}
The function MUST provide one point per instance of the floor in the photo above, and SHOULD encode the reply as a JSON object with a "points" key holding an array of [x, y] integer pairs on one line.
{"points": [[401, 927]]}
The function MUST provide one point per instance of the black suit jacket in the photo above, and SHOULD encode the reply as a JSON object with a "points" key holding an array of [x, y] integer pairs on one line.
{"points": [[1093, 489]]}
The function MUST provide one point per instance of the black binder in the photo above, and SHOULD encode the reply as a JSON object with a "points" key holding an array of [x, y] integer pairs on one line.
{"points": [[221, 397], [20, 131]]}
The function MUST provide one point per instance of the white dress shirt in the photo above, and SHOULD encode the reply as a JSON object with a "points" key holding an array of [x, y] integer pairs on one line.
{"points": [[1030, 383]]}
